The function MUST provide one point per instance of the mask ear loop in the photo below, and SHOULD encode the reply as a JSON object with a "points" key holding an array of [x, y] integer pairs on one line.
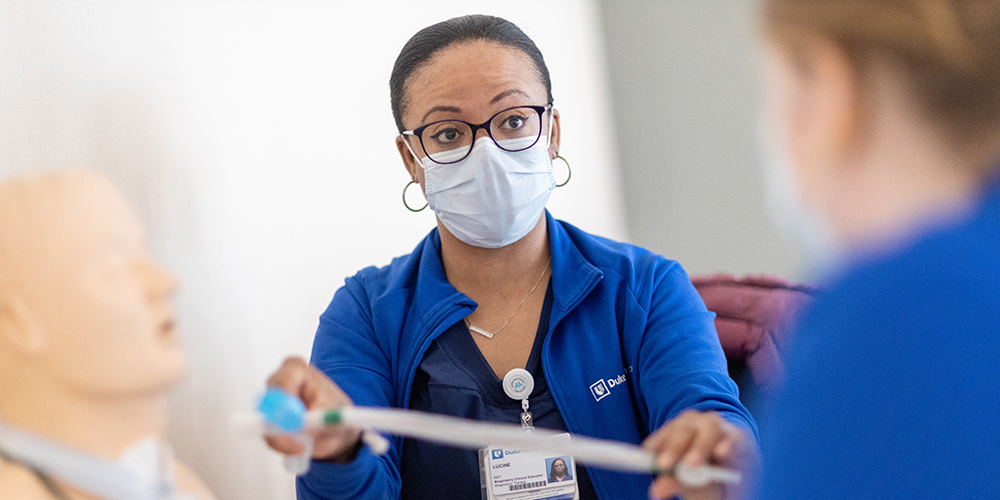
{"points": [[412, 180], [568, 169]]}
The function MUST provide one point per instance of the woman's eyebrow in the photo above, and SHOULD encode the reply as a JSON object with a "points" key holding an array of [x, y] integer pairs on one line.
{"points": [[453, 109], [506, 93], [450, 109]]}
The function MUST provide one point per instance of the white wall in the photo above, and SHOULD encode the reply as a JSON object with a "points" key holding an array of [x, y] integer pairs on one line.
{"points": [[255, 138], [684, 89]]}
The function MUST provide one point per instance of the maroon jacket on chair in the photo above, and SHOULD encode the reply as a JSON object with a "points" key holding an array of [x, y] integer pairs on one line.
{"points": [[755, 318]]}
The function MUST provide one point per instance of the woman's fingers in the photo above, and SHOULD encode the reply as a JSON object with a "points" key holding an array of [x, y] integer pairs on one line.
{"points": [[694, 438], [312, 386], [291, 377], [731, 436], [665, 487], [707, 432], [317, 391], [284, 444], [669, 487], [672, 440]]}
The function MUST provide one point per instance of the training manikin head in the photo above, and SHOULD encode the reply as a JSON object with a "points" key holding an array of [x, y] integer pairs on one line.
{"points": [[84, 312]]}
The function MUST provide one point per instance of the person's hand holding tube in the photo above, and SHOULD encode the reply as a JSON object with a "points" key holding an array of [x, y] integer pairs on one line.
{"points": [[702, 438], [338, 443]]}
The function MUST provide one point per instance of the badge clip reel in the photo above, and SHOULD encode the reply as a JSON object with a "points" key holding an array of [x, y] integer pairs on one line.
{"points": [[518, 384]]}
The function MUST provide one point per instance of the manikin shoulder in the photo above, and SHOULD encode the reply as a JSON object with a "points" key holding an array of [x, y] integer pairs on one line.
{"points": [[189, 484], [18, 482]]}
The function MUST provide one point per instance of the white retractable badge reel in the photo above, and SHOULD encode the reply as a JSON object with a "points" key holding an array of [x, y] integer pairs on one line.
{"points": [[525, 474], [518, 384]]}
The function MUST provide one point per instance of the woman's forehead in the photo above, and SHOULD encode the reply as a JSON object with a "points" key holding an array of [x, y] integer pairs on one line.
{"points": [[472, 80]]}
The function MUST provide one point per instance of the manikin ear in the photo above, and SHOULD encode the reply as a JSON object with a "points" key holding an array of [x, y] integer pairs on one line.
{"points": [[556, 134], [19, 332], [828, 116], [409, 161]]}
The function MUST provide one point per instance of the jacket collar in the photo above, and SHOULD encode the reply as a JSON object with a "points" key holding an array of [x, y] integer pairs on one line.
{"points": [[573, 276], [434, 295]]}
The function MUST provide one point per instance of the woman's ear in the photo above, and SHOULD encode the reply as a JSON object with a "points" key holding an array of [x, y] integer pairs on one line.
{"points": [[19, 332], [409, 161], [555, 133]]}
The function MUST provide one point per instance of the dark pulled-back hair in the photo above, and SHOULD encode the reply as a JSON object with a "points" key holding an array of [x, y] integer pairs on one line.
{"points": [[419, 50]]}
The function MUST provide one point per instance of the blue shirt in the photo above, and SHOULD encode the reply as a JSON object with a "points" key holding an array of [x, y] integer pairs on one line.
{"points": [[893, 388], [630, 345], [455, 379]]}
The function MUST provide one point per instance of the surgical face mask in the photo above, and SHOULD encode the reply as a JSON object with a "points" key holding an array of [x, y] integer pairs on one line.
{"points": [[807, 228], [494, 197]]}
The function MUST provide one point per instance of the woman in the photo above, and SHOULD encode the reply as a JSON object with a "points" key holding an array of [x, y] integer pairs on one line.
{"points": [[558, 471], [616, 338], [888, 113]]}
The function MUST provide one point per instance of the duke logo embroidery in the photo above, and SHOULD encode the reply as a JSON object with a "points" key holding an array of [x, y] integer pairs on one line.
{"points": [[602, 388], [599, 389]]}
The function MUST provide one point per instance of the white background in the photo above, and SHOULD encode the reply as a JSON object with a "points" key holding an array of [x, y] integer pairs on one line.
{"points": [[256, 141]]}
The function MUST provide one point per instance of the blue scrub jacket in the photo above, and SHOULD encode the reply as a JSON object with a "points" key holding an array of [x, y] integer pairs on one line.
{"points": [[893, 386], [630, 346]]}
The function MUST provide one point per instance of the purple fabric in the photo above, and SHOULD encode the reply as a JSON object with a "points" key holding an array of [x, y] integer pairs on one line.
{"points": [[754, 318]]}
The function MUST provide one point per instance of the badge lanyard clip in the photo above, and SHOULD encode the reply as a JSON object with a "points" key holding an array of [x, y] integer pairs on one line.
{"points": [[518, 384], [526, 421]]}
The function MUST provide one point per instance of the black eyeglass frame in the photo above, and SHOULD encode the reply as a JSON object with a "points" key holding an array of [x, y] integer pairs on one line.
{"points": [[418, 132]]}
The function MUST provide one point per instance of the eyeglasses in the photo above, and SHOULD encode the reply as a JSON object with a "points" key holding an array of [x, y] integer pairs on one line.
{"points": [[450, 141]]}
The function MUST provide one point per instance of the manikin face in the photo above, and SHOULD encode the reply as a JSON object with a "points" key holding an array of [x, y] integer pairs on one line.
{"points": [[99, 302]]}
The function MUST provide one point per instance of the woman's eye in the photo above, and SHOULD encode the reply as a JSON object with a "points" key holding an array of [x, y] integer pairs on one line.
{"points": [[513, 122], [446, 136]]}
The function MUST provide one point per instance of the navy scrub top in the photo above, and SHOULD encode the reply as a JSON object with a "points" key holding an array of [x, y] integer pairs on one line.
{"points": [[455, 379]]}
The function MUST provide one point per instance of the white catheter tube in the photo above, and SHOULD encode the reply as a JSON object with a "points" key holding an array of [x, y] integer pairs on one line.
{"points": [[473, 434]]}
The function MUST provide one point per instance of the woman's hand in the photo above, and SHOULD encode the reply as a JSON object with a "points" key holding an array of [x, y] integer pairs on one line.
{"points": [[337, 443], [700, 438]]}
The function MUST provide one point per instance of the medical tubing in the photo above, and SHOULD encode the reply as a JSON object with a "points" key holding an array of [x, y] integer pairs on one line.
{"points": [[472, 434]]}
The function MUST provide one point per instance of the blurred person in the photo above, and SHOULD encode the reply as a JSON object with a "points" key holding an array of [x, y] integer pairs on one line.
{"points": [[618, 341], [884, 119]]}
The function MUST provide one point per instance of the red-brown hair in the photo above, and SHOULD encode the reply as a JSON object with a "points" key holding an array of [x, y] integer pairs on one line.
{"points": [[948, 50]]}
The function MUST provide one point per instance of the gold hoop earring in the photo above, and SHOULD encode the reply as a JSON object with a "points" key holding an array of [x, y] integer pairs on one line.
{"points": [[407, 205], [568, 170]]}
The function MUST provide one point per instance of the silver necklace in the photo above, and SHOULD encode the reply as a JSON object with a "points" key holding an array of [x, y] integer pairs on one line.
{"points": [[489, 335]]}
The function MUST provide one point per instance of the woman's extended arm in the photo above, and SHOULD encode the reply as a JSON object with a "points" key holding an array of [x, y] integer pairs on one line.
{"points": [[345, 351], [684, 381]]}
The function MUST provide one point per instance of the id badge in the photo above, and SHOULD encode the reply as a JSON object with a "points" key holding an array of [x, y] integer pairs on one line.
{"points": [[524, 474]]}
